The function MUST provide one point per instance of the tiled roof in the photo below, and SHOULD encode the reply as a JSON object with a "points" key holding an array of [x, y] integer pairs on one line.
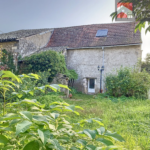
{"points": [[20, 33], [85, 36]]}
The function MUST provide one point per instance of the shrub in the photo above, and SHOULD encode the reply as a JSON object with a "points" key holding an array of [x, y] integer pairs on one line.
{"points": [[44, 77], [27, 87], [128, 82], [44, 61], [48, 61], [72, 74], [23, 86]]}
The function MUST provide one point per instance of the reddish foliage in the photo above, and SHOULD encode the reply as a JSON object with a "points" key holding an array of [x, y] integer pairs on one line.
{"points": [[4, 67]]}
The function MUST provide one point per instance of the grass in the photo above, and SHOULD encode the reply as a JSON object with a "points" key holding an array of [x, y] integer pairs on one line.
{"points": [[128, 117]]}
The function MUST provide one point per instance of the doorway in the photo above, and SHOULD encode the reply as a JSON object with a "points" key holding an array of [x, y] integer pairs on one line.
{"points": [[91, 85]]}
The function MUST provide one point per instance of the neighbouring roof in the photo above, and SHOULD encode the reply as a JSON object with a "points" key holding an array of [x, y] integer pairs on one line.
{"points": [[85, 36], [12, 36]]}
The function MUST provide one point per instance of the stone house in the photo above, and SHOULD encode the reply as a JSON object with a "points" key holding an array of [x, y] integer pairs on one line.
{"points": [[25, 42], [86, 47]]}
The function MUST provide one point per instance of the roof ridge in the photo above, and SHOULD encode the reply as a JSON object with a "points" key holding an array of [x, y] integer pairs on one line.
{"points": [[96, 24], [70, 26], [26, 30], [14, 35]]}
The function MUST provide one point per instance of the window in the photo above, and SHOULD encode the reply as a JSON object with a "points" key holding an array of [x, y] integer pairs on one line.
{"points": [[102, 33]]}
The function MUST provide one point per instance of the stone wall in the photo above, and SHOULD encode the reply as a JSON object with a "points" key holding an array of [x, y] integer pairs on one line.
{"points": [[85, 62], [32, 44], [9, 46]]}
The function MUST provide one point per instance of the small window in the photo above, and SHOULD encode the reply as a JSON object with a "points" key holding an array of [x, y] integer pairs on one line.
{"points": [[102, 33]]}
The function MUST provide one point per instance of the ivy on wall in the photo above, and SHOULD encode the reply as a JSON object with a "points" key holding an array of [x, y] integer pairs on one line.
{"points": [[7, 60], [50, 61]]}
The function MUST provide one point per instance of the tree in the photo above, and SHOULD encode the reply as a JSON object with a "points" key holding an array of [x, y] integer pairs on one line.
{"points": [[146, 63], [141, 12]]}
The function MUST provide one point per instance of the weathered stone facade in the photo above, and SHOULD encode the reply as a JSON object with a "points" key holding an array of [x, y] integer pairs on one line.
{"points": [[9, 46], [25, 42], [86, 61], [32, 44]]}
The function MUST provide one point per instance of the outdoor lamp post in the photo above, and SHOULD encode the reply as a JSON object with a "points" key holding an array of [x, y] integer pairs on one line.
{"points": [[101, 71]]}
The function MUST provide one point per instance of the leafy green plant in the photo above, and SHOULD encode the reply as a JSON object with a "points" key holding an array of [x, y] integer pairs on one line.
{"points": [[72, 74], [6, 85], [128, 82], [73, 90], [49, 62], [44, 78], [48, 129], [27, 125], [10, 82]]}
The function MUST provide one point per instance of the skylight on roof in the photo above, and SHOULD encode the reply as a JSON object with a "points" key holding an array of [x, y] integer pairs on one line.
{"points": [[102, 33]]}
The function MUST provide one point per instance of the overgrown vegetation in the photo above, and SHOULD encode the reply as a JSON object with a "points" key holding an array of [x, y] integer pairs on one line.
{"points": [[7, 61], [126, 115], [34, 117], [146, 64], [49, 61], [72, 74], [27, 125], [128, 82]]}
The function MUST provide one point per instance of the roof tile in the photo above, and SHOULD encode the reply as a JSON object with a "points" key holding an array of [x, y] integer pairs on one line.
{"points": [[84, 36]]}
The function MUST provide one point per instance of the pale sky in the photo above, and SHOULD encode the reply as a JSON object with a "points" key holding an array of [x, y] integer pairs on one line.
{"points": [[34, 14]]}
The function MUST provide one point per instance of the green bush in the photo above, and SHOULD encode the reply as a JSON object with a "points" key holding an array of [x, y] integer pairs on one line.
{"points": [[31, 85], [44, 61], [128, 82], [72, 74], [44, 77], [48, 61]]}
